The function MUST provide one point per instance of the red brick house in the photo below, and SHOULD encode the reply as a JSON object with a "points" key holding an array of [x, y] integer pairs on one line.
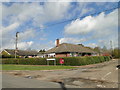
{"points": [[70, 50]]}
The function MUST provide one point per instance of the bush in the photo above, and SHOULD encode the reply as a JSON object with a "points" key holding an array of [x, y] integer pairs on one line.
{"points": [[9, 56], [116, 53], [25, 61], [69, 61]]}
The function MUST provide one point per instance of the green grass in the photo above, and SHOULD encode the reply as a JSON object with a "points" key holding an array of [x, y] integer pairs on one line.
{"points": [[34, 67]]}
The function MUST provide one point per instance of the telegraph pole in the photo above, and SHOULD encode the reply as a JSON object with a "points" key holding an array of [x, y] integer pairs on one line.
{"points": [[111, 47], [16, 48]]}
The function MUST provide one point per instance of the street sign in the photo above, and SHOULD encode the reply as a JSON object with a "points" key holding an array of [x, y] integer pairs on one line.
{"points": [[51, 59]]}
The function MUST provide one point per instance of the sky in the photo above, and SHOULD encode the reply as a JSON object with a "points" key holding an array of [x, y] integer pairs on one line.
{"points": [[38, 24]]}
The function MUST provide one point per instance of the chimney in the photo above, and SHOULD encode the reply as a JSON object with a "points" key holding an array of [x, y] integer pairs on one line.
{"points": [[57, 42]]}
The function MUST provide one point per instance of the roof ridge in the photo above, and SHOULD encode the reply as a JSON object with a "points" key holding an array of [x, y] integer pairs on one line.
{"points": [[65, 47], [20, 49], [73, 44], [69, 43]]}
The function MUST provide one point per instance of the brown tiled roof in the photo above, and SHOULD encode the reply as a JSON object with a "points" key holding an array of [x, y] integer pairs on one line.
{"points": [[65, 47], [22, 52]]}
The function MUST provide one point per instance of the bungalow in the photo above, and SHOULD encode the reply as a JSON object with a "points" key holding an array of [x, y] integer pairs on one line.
{"points": [[70, 50], [21, 53], [40, 54]]}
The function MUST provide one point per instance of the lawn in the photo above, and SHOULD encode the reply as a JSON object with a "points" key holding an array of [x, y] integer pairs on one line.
{"points": [[34, 67]]}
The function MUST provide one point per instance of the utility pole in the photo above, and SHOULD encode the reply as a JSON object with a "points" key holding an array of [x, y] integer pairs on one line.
{"points": [[111, 47], [16, 48]]}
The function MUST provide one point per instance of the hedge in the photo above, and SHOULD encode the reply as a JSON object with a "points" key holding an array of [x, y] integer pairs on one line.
{"points": [[68, 61], [9, 56]]}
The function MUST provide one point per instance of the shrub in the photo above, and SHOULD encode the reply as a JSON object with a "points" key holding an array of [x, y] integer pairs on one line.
{"points": [[69, 61], [9, 56], [25, 61]]}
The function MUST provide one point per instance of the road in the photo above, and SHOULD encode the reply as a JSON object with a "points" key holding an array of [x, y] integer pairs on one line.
{"points": [[103, 75], [9, 81]]}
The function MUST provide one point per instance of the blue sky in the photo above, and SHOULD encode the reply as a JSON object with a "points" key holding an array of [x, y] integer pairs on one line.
{"points": [[35, 21]]}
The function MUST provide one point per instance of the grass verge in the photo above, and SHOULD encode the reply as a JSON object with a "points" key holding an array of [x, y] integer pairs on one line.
{"points": [[34, 67]]}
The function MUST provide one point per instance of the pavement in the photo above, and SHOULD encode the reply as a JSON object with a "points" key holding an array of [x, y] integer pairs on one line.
{"points": [[103, 75]]}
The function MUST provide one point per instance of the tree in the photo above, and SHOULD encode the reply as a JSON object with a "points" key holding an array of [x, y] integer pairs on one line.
{"points": [[104, 48], [97, 49], [42, 51], [116, 53]]}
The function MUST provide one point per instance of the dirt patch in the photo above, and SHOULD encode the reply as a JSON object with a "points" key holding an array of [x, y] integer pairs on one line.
{"points": [[33, 77], [90, 70], [89, 83], [18, 74], [86, 82]]}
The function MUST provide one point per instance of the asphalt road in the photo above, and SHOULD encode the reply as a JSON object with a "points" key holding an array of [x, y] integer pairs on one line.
{"points": [[103, 75], [10, 81]]}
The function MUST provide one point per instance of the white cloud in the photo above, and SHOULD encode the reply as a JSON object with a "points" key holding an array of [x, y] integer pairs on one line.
{"points": [[80, 26], [21, 45], [93, 45], [60, 0], [46, 46], [107, 42], [29, 33], [20, 13], [10, 28], [0, 25], [25, 45], [99, 23], [102, 27], [52, 11], [8, 40], [40, 14], [0, 13], [5, 36], [83, 8], [72, 40]]}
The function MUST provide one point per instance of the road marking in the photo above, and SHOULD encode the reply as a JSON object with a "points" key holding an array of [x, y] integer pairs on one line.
{"points": [[116, 68], [101, 86], [106, 75]]}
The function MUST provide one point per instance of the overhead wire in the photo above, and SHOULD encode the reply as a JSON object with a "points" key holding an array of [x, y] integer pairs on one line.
{"points": [[50, 25]]}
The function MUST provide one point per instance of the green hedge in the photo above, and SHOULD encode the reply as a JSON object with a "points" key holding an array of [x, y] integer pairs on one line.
{"points": [[72, 61], [9, 56]]}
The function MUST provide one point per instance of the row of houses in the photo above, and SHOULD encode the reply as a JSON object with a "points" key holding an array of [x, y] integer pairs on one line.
{"points": [[60, 50], [20, 53]]}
